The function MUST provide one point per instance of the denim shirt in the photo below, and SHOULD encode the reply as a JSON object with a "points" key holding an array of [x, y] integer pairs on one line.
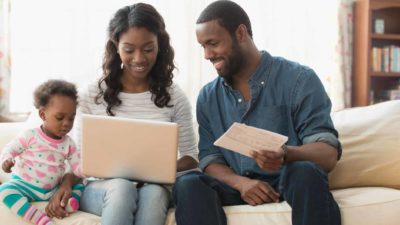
{"points": [[286, 98]]}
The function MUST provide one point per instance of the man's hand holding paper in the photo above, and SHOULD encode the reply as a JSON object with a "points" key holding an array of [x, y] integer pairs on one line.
{"points": [[262, 145]]}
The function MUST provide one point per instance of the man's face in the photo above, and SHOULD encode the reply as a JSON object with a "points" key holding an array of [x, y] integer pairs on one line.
{"points": [[220, 48]]}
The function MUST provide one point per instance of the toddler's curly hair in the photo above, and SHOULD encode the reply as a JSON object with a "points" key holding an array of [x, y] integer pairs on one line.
{"points": [[50, 88]]}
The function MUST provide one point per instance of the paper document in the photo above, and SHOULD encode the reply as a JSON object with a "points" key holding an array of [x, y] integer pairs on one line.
{"points": [[242, 138]]}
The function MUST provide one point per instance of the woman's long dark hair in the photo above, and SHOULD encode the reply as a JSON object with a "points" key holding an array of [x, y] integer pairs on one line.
{"points": [[160, 76]]}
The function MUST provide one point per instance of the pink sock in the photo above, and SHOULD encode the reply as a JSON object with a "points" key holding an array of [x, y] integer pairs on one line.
{"points": [[37, 216], [72, 205], [44, 220]]}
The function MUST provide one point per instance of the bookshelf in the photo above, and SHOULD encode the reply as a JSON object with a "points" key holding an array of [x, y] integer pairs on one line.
{"points": [[376, 55]]}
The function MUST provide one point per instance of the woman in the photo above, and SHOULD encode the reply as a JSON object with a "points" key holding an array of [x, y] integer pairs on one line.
{"points": [[136, 83]]}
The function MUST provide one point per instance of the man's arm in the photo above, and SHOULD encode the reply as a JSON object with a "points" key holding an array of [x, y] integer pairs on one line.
{"points": [[254, 192], [212, 162], [320, 153], [314, 127], [311, 114]]}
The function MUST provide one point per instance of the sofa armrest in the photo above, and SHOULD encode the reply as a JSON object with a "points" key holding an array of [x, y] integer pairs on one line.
{"points": [[371, 146]]}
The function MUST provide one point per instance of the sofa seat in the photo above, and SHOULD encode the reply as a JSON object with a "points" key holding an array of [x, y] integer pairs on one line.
{"points": [[356, 205], [77, 218]]}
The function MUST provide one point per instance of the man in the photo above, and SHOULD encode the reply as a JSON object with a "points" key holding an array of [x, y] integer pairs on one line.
{"points": [[269, 93]]}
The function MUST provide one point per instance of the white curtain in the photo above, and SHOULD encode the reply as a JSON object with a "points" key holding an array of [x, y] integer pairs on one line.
{"points": [[344, 54], [65, 39], [4, 56]]}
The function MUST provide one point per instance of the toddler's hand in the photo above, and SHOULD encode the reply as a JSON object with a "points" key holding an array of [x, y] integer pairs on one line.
{"points": [[7, 165]]}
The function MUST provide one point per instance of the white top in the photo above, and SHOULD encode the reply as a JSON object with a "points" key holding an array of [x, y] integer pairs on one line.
{"points": [[140, 106], [40, 159]]}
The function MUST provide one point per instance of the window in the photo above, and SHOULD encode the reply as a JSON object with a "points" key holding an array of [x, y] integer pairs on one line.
{"points": [[65, 39]]}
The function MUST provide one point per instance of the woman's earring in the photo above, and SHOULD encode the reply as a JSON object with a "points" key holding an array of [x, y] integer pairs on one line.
{"points": [[122, 66]]}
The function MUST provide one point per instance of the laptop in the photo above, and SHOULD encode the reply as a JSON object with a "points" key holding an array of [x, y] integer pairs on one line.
{"points": [[140, 150]]}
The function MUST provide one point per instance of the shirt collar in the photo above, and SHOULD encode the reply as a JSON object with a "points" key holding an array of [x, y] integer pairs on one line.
{"points": [[260, 76]]}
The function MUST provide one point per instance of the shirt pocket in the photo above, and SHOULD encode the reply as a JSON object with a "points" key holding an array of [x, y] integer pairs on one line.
{"points": [[273, 118]]}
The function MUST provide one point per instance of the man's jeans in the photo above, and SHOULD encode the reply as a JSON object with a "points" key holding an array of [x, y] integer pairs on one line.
{"points": [[304, 185], [118, 202]]}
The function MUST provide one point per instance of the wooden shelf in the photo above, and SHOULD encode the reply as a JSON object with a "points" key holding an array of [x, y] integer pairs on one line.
{"points": [[377, 5], [367, 85], [393, 37], [384, 74]]}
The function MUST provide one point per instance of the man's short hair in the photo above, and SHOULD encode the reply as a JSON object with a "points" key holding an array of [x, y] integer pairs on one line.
{"points": [[228, 14]]}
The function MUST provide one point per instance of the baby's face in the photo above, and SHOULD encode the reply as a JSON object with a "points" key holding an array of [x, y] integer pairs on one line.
{"points": [[58, 116]]}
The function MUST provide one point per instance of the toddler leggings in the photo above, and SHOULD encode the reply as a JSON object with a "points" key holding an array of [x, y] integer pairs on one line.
{"points": [[17, 194]]}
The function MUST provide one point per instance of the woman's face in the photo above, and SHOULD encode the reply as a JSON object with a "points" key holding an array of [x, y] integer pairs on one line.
{"points": [[138, 49]]}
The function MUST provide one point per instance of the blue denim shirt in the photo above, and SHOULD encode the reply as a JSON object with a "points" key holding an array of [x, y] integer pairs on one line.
{"points": [[286, 98]]}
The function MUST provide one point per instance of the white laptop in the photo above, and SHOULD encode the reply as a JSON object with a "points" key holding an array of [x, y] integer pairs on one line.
{"points": [[141, 150]]}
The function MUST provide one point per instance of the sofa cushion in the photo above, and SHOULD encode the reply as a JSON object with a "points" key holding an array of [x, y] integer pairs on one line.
{"points": [[371, 146], [78, 218], [366, 206], [10, 130], [7, 132]]}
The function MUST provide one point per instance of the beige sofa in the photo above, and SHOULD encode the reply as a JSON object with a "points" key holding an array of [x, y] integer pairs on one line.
{"points": [[365, 183]]}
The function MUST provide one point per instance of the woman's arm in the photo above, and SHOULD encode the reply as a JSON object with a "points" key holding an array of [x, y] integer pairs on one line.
{"points": [[188, 151]]}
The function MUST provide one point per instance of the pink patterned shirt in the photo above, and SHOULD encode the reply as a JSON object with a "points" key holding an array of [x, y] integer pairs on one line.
{"points": [[41, 160]]}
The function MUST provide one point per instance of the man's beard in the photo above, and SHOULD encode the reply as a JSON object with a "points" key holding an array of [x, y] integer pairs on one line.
{"points": [[234, 64]]}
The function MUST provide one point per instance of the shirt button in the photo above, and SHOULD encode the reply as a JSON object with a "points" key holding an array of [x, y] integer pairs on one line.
{"points": [[262, 82], [239, 100]]}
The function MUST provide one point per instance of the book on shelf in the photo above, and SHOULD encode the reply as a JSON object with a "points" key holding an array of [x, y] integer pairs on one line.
{"points": [[386, 59]]}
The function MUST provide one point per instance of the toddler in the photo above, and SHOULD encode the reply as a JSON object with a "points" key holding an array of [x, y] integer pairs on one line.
{"points": [[38, 155]]}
